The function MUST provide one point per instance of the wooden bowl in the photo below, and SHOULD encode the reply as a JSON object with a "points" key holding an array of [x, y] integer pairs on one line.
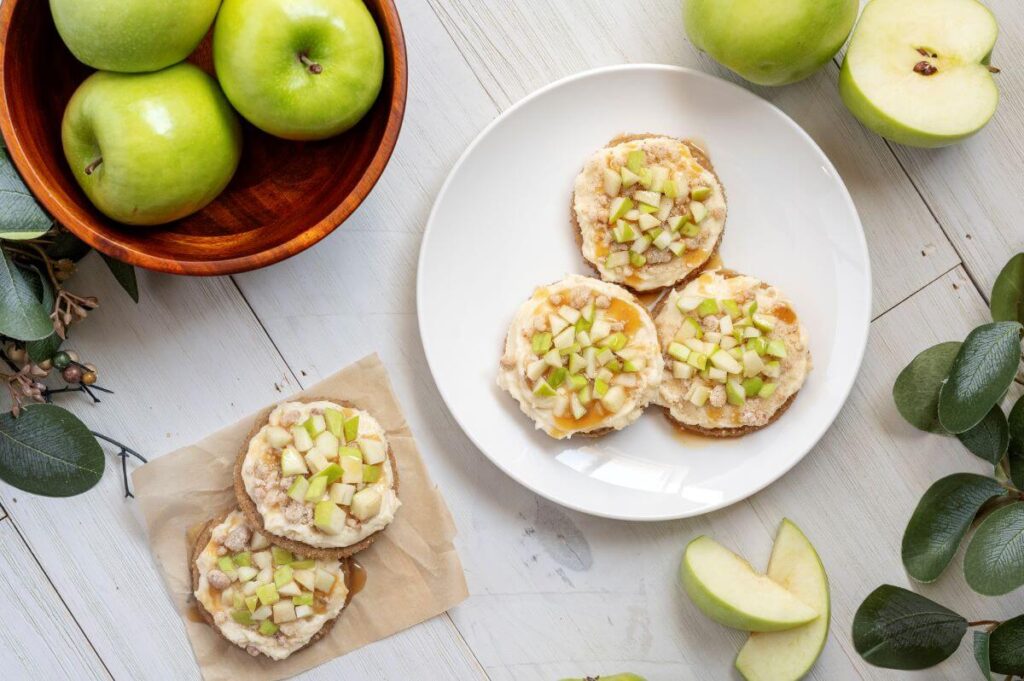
{"points": [[285, 197]]}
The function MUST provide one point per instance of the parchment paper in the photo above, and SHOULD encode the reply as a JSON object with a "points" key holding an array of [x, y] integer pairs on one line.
{"points": [[413, 570]]}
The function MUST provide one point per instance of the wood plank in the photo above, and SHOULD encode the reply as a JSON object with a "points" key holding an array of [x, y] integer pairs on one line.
{"points": [[518, 46], [189, 359], [39, 639], [974, 187]]}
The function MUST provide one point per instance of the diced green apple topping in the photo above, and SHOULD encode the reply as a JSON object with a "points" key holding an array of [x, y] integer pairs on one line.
{"points": [[650, 205], [595, 359], [738, 354], [338, 462], [281, 591]]}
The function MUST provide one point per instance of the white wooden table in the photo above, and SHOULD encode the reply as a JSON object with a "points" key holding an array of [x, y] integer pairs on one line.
{"points": [[554, 593]]}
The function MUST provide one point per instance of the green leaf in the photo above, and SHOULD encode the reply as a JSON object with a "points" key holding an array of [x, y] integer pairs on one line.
{"points": [[1006, 647], [20, 215], [994, 562], [48, 451], [990, 438], [1015, 420], [125, 275], [941, 520], [1015, 457], [981, 646], [42, 350], [898, 629], [67, 245], [916, 390], [22, 315], [981, 373], [1008, 292]]}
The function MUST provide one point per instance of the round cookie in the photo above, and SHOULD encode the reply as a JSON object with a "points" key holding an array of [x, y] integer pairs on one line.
{"points": [[255, 647], [581, 357], [736, 354], [648, 211], [289, 515]]}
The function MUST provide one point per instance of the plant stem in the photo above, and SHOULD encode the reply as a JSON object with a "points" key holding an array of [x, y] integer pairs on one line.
{"points": [[122, 446], [978, 623], [46, 261], [124, 452]]}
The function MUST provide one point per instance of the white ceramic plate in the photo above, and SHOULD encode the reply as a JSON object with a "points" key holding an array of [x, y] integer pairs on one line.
{"points": [[500, 227]]}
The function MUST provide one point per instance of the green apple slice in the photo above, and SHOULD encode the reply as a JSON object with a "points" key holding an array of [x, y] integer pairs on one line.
{"points": [[789, 655], [302, 439], [352, 470], [328, 517], [374, 451], [726, 588], [335, 420], [366, 504], [277, 437], [292, 462], [352, 428], [916, 70], [612, 182]]}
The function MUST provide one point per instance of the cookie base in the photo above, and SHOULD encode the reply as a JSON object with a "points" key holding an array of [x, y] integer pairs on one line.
{"points": [[252, 514]]}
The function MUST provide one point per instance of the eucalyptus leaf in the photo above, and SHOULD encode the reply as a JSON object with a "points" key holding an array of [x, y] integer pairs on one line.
{"points": [[990, 438], [67, 245], [48, 451], [916, 390], [981, 373], [898, 629], [1015, 457], [22, 314], [42, 350], [20, 215], [994, 562], [981, 653], [1006, 647], [125, 275], [1008, 292], [1015, 420], [941, 521]]}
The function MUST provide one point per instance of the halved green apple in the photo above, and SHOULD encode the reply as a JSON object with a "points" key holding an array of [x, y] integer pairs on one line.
{"points": [[916, 71], [726, 588], [789, 655]]}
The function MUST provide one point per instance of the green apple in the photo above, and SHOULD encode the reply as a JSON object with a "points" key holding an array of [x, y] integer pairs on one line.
{"points": [[132, 36], [299, 69], [151, 148], [916, 71], [789, 655], [727, 590], [770, 43], [626, 676]]}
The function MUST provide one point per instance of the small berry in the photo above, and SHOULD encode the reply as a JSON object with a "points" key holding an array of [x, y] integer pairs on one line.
{"points": [[72, 373], [89, 377], [61, 359]]}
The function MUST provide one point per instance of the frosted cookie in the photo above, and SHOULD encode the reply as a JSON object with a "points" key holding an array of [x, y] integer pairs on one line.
{"points": [[736, 354], [649, 211], [319, 477], [581, 357], [261, 597]]}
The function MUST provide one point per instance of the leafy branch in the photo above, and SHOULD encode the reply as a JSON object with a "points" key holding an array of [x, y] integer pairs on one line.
{"points": [[957, 389], [45, 449]]}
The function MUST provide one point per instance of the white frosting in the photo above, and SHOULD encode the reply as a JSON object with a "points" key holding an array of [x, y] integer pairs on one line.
{"points": [[794, 367], [591, 205], [274, 519], [291, 635], [519, 353]]}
